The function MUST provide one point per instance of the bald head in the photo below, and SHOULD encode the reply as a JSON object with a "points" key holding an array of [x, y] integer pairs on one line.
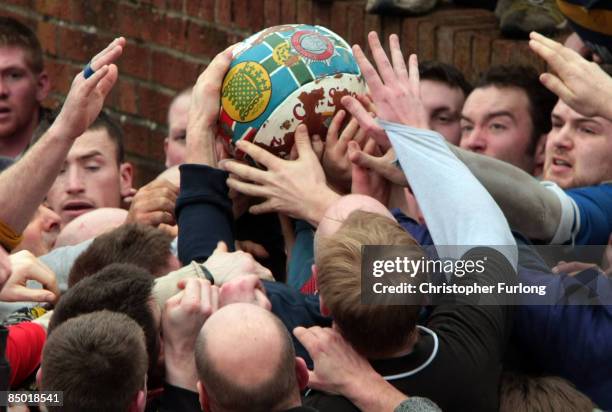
{"points": [[91, 224], [343, 207], [245, 360]]}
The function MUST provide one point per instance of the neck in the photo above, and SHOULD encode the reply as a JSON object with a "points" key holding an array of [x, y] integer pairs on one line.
{"points": [[14, 145], [404, 350]]}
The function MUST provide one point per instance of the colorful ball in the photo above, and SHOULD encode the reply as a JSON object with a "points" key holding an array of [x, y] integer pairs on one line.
{"points": [[281, 77]]}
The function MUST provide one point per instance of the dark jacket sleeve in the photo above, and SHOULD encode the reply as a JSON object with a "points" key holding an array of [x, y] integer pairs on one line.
{"points": [[204, 212], [175, 399]]}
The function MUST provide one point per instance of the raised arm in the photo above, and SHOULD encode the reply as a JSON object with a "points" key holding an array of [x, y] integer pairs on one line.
{"points": [[455, 205], [24, 185]]}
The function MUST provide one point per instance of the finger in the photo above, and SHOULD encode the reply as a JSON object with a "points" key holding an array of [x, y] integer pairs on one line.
{"points": [[380, 58], [399, 65], [42, 274], [556, 85], [248, 189], [99, 59], [91, 83], [214, 298], [264, 207], [156, 218], [413, 76], [306, 338], [192, 292], [109, 56], [368, 71], [370, 147], [221, 247], [361, 137], [262, 300], [261, 156], [317, 146], [349, 131], [302, 141], [245, 172], [22, 293], [107, 82], [334, 128], [366, 122]]}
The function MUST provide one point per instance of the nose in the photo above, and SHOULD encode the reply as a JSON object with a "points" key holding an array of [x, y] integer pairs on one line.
{"points": [[561, 139], [51, 221], [474, 140], [4, 90], [75, 181]]}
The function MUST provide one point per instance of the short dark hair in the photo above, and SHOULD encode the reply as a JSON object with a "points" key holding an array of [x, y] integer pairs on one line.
{"points": [[120, 288], [98, 360], [13, 33], [267, 396], [141, 245], [526, 78], [104, 121], [520, 392], [444, 73]]}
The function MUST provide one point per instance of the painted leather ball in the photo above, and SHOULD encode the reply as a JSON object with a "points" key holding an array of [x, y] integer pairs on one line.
{"points": [[284, 76]]}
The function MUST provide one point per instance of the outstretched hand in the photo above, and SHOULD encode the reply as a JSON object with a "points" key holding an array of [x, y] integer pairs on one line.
{"points": [[86, 96], [294, 187], [394, 90], [204, 111], [581, 84]]}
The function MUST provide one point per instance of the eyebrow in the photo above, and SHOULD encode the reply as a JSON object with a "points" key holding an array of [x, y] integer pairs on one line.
{"points": [[89, 155], [490, 116]]}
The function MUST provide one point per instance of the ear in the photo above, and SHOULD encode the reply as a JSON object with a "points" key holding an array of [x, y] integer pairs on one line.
{"points": [[301, 372], [126, 175], [43, 86], [139, 403], [39, 377], [204, 402], [323, 308]]}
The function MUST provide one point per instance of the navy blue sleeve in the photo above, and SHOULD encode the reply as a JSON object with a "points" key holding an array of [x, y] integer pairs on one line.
{"points": [[595, 207], [203, 212]]}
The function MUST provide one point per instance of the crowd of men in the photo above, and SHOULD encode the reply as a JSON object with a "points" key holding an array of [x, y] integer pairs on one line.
{"points": [[220, 286]]}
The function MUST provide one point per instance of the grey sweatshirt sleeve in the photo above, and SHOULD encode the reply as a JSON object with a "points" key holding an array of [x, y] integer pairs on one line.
{"points": [[457, 208]]}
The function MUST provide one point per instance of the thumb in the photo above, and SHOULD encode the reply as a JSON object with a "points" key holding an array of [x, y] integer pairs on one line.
{"points": [[221, 247], [23, 293]]}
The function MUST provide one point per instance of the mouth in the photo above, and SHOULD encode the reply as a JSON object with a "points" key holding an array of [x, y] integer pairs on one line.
{"points": [[560, 166], [4, 111], [77, 208]]}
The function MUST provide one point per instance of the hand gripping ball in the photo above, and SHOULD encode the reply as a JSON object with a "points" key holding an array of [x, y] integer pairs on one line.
{"points": [[284, 76]]}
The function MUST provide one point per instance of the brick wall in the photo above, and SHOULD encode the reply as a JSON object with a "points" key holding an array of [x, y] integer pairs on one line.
{"points": [[171, 41]]}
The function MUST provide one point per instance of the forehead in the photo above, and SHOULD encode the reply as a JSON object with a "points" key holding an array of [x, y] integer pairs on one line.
{"points": [[485, 100], [96, 140], [437, 93], [13, 57], [568, 114], [179, 110]]}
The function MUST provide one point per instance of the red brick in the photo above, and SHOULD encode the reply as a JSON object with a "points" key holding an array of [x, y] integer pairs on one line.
{"points": [[79, 45], [136, 138], [60, 75], [241, 10], [256, 14], [201, 9], [390, 25], [46, 35], [22, 3], [156, 146], [339, 19], [152, 104], [223, 11], [135, 61], [272, 12], [173, 72], [288, 11], [136, 22], [174, 33], [205, 41], [145, 170], [356, 29], [127, 99], [322, 13], [304, 11]]}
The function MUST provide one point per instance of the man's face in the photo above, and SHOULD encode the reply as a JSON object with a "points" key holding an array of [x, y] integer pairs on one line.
{"points": [[578, 149], [41, 233], [90, 177], [496, 122], [443, 104], [21, 92], [174, 145]]}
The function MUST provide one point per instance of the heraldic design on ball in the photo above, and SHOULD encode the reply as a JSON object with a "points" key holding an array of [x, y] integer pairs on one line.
{"points": [[281, 77]]}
